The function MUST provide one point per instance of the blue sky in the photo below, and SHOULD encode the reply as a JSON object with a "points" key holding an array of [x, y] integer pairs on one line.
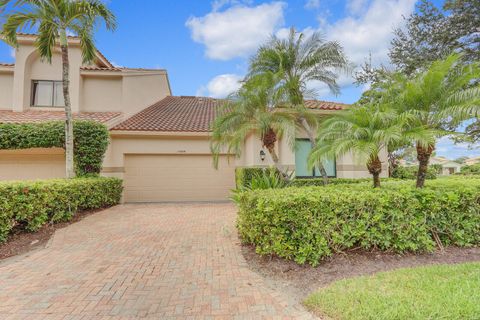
{"points": [[205, 45]]}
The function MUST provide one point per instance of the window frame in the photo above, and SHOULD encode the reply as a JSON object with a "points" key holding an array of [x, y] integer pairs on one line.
{"points": [[313, 176], [33, 94]]}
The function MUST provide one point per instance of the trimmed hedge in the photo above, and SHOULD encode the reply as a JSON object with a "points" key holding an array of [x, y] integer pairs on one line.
{"points": [[90, 141], [309, 224], [411, 172], [244, 177], [30, 204]]}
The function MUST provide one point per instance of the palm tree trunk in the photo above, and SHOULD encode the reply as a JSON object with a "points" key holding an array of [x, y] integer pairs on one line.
{"points": [[313, 143], [423, 157], [269, 140], [69, 167], [374, 166]]}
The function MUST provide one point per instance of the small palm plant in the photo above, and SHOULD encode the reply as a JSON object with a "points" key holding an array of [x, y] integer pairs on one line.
{"points": [[365, 131], [251, 111], [53, 20], [435, 100], [297, 61]]}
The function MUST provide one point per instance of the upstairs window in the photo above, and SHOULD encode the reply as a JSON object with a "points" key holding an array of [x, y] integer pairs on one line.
{"points": [[302, 151], [47, 94]]}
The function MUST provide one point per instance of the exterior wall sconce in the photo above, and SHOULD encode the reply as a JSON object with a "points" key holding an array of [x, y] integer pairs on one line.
{"points": [[262, 155]]}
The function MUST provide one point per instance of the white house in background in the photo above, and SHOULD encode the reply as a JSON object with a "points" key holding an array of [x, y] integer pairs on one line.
{"points": [[160, 144], [449, 167], [472, 160]]}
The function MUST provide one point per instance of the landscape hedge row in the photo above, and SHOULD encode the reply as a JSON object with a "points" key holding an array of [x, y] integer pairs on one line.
{"points": [[90, 141], [308, 224], [245, 175], [31, 204]]}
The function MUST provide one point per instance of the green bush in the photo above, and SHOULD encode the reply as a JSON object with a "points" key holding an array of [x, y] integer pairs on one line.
{"points": [[31, 204], [90, 141], [310, 223], [331, 181], [411, 172], [244, 176], [471, 169]]}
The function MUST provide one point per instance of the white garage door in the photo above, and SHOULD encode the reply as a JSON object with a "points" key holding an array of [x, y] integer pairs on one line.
{"points": [[157, 178]]}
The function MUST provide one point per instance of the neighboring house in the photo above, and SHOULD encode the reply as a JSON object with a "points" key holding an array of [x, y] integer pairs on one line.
{"points": [[471, 161], [159, 143], [449, 167]]}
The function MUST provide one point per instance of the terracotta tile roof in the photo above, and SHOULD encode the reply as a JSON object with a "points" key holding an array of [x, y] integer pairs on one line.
{"points": [[174, 114], [189, 114], [7, 116], [324, 105], [7, 64]]}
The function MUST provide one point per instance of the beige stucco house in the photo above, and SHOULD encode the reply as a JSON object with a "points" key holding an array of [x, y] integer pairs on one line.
{"points": [[159, 143]]}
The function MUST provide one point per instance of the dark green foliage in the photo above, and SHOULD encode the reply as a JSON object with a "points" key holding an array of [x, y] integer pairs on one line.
{"points": [[90, 141], [31, 204], [309, 224], [471, 169], [244, 176], [332, 181], [411, 172]]}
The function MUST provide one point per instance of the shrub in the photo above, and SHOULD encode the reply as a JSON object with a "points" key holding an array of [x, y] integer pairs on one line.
{"points": [[331, 181], [90, 141], [310, 223], [31, 204], [244, 176], [471, 169], [411, 172]]}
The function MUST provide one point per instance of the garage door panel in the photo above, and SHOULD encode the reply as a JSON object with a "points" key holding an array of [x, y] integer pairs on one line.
{"points": [[156, 178]]}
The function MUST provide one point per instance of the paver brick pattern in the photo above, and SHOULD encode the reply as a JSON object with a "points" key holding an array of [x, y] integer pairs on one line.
{"points": [[152, 261]]}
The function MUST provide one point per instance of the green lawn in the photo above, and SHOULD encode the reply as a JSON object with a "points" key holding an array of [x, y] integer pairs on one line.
{"points": [[434, 292]]}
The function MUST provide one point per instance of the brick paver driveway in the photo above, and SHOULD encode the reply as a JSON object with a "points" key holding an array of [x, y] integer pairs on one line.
{"points": [[159, 261]]}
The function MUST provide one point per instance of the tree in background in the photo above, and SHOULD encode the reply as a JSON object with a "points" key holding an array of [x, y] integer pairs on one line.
{"points": [[295, 62], [53, 19], [434, 101], [432, 34], [252, 111]]}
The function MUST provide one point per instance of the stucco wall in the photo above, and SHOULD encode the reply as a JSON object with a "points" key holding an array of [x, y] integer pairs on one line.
{"points": [[101, 94], [141, 90], [6, 85], [97, 90], [348, 166], [31, 164]]}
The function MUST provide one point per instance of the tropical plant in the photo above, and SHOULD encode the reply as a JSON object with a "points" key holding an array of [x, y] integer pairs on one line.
{"points": [[296, 62], [251, 111], [54, 19], [365, 131], [439, 98]]}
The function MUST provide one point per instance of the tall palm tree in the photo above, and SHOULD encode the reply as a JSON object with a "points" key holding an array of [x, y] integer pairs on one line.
{"points": [[252, 110], [366, 131], [296, 62], [439, 98], [54, 19]]}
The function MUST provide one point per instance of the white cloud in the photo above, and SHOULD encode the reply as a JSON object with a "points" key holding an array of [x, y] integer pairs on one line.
{"points": [[370, 31], [357, 7], [221, 86], [237, 31], [12, 53], [312, 4], [219, 4], [447, 148]]}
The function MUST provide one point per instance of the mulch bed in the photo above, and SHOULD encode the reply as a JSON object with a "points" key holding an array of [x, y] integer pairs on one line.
{"points": [[21, 241], [300, 281]]}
